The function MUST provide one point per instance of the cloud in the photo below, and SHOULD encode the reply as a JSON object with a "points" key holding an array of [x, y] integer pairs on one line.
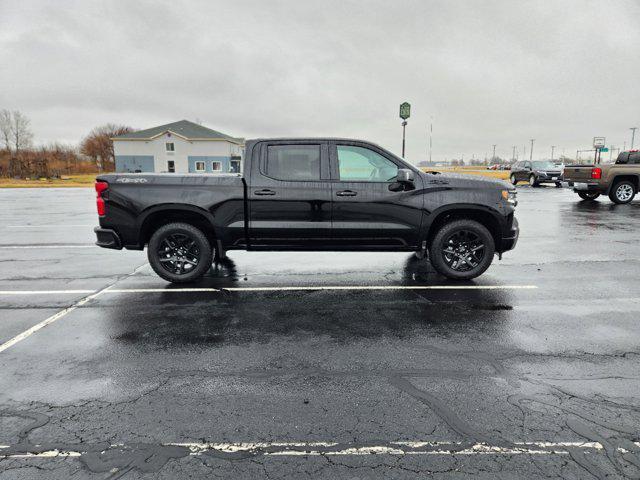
{"points": [[493, 72]]}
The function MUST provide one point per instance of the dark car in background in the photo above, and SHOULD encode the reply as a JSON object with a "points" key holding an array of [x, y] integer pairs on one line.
{"points": [[536, 173]]}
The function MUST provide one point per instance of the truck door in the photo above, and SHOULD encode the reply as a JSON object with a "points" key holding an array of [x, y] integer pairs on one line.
{"points": [[365, 211], [290, 195]]}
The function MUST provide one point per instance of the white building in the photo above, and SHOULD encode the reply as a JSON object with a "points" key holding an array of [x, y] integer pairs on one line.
{"points": [[179, 147]]}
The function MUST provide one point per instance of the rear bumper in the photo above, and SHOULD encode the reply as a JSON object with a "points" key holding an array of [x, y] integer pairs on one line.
{"points": [[510, 238], [585, 187], [107, 238]]}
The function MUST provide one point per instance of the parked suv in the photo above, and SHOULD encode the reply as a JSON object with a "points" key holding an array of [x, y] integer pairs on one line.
{"points": [[536, 172]]}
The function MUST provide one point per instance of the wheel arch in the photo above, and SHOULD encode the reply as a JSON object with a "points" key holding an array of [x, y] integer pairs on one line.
{"points": [[159, 215], [486, 216], [635, 179]]}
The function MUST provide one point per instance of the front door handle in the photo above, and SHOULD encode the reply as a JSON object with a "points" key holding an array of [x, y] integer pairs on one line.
{"points": [[264, 191], [346, 193]]}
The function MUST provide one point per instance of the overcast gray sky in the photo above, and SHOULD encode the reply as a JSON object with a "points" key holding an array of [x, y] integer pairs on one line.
{"points": [[487, 72]]}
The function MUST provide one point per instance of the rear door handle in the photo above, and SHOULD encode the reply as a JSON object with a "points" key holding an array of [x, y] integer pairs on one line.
{"points": [[264, 191], [346, 193]]}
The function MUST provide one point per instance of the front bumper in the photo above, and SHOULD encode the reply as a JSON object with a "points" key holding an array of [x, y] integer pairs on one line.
{"points": [[107, 238], [510, 239]]}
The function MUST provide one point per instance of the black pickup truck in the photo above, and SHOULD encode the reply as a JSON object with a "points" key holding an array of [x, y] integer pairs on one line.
{"points": [[308, 194]]}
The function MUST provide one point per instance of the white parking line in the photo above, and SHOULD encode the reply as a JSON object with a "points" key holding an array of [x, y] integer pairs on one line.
{"points": [[333, 448], [51, 226], [382, 287], [276, 289], [19, 247], [44, 292]]}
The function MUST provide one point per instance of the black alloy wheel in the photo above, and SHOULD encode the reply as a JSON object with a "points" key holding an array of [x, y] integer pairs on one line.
{"points": [[462, 249], [179, 252]]}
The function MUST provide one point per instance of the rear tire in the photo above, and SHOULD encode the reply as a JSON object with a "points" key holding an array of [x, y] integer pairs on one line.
{"points": [[179, 253], [514, 180], [588, 195], [462, 249], [558, 184], [622, 192]]}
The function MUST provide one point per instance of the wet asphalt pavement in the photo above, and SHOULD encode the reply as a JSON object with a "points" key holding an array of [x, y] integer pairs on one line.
{"points": [[535, 377]]}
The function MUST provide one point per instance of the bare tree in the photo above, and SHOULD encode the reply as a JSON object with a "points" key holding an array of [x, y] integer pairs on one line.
{"points": [[15, 130], [5, 129], [98, 144], [22, 135]]}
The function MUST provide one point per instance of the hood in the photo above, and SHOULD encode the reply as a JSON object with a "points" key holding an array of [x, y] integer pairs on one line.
{"points": [[464, 180]]}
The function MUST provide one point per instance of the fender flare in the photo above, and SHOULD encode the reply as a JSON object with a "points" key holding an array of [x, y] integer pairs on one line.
{"points": [[457, 207], [145, 214]]}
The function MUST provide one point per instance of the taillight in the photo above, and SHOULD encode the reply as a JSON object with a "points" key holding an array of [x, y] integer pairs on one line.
{"points": [[596, 173], [101, 187]]}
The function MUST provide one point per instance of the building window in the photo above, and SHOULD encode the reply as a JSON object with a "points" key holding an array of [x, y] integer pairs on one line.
{"points": [[171, 166], [199, 166], [234, 166], [216, 166], [170, 147]]}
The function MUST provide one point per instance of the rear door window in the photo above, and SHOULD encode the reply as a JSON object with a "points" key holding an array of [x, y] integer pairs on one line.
{"points": [[293, 162], [634, 158]]}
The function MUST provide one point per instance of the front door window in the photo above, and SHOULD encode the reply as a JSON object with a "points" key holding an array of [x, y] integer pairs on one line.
{"points": [[358, 164]]}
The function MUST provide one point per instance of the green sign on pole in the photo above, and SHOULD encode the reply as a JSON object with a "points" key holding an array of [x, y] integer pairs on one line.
{"points": [[405, 110], [604, 149]]}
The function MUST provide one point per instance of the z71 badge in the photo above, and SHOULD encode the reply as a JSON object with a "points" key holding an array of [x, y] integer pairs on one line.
{"points": [[131, 180]]}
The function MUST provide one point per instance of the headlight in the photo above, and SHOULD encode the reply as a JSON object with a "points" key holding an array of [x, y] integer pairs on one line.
{"points": [[510, 196]]}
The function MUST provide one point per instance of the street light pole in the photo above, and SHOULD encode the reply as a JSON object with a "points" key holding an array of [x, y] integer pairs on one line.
{"points": [[404, 126], [513, 157], [531, 151], [553, 147], [493, 159], [633, 135]]}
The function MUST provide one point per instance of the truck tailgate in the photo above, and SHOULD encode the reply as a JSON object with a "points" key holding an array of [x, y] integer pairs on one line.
{"points": [[577, 173]]}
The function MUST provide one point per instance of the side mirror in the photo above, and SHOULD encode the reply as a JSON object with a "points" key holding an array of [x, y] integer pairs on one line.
{"points": [[404, 181], [405, 176]]}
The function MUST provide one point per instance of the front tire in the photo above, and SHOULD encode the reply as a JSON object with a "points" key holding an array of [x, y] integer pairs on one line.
{"points": [[533, 181], [462, 249], [588, 195], [622, 192], [179, 253], [514, 180]]}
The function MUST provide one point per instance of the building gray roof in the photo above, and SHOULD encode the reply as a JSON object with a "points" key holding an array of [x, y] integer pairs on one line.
{"points": [[183, 128]]}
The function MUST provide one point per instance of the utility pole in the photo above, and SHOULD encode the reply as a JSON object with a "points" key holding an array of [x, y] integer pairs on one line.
{"points": [[493, 159], [531, 151], [633, 135], [430, 139], [513, 157], [553, 147]]}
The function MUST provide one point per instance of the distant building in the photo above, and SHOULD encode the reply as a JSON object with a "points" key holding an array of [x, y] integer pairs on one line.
{"points": [[179, 147]]}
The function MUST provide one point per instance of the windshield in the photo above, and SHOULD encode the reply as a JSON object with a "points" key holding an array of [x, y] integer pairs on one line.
{"points": [[545, 166]]}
